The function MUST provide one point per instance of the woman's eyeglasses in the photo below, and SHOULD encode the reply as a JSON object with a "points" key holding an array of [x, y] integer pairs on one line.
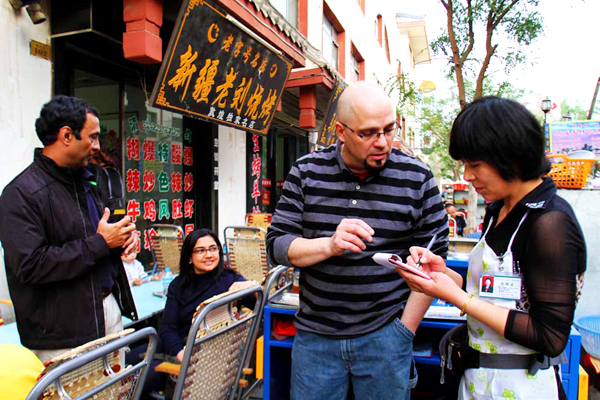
{"points": [[201, 251]]}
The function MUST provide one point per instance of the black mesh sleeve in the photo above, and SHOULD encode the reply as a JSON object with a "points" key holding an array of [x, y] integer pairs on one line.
{"points": [[553, 256]]}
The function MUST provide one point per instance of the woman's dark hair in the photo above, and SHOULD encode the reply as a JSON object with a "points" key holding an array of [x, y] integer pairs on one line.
{"points": [[186, 268], [62, 111], [502, 133]]}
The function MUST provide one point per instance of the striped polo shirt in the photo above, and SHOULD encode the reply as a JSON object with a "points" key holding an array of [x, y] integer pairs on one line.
{"points": [[351, 295]]}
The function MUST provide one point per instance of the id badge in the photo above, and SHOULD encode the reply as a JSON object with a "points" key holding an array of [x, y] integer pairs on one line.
{"points": [[500, 287]]}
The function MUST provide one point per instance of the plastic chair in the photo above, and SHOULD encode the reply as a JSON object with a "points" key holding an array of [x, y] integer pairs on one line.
{"points": [[217, 349], [93, 370], [166, 246], [246, 251]]}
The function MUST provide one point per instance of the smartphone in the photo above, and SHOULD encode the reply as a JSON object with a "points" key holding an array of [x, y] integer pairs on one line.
{"points": [[116, 215], [393, 261]]}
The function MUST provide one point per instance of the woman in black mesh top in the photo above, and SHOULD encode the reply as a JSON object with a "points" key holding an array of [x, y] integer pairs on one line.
{"points": [[531, 244]]}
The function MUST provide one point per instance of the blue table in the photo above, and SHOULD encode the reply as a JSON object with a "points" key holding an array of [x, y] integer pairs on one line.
{"points": [[146, 303]]}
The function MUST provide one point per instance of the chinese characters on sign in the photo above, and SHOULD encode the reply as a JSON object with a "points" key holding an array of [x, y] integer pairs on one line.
{"points": [[256, 175], [215, 71], [158, 176], [328, 136]]}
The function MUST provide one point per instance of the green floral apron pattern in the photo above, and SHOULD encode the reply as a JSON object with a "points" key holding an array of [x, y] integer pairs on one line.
{"points": [[504, 384]]}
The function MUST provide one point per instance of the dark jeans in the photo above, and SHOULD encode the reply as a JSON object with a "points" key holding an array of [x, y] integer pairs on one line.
{"points": [[377, 365]]}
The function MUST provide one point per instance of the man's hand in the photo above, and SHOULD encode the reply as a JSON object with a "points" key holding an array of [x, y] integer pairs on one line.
{"points": [[351, 234], [118, 234], [180, 355], [137, 282], [130, 244]]}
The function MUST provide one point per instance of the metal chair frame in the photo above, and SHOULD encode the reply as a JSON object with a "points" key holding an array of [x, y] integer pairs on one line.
{"points": [[277, 276], [55, 375], [274, 278], [200, 320]]}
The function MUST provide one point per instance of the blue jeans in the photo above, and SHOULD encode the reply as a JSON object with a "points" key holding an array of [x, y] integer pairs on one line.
{"points": [[378, 364]]}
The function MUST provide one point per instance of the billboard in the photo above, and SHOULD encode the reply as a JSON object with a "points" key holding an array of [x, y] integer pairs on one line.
{"points": [[567, 136]]}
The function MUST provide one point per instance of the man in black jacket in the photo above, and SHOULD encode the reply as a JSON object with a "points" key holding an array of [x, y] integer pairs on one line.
{"points": [[62, 256]]}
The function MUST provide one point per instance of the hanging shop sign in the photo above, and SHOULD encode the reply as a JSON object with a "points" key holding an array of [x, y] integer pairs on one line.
{"points": [[258, 192], [568, 136], [327, 135], [215, 71]]}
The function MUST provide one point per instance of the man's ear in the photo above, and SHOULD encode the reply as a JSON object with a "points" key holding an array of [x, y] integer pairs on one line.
{"points": [[341, 133], [65, 135]]}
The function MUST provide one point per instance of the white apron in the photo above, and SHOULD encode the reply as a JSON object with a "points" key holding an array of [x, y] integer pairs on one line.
{"points": [[487, 383]]}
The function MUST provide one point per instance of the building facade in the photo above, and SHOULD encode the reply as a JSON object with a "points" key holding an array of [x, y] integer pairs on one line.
{"points": [[177, 169]]}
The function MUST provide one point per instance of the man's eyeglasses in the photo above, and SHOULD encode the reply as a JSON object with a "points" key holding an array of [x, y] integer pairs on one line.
{"points": [[201, 251], [368, 136]]}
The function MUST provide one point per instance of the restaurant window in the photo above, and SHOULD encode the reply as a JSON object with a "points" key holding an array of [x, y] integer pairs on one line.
{"points": [[330, 43], [149, 148], [157, 168], [289, 10], [355, 72], [103, 94]]}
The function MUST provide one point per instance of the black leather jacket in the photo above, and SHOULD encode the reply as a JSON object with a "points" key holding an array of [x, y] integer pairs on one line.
{"points": [[51, 253]]}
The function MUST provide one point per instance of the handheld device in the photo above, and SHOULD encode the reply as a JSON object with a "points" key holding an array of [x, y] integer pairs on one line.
{"points": [[393, 261], [116, 214]]}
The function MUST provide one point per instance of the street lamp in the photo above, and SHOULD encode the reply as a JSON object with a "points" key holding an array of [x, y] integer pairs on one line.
{"points": [[546, 106]]}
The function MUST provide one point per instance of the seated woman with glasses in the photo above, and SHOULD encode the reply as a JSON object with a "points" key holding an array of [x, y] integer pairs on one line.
{"points": [[202, 275]]}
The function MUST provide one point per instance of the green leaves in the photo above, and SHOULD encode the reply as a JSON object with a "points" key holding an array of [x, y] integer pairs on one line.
{"points": [[486, 35]]}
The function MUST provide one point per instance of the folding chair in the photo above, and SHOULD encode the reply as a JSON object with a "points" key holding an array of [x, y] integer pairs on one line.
{"points": [[452, 227], [277, 281], [246, 251], [93, 370], [217, 348], [166, 246], [261, 220]]}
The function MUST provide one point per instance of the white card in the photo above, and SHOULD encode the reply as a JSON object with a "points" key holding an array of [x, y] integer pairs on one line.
{"points": [[500, 287]]}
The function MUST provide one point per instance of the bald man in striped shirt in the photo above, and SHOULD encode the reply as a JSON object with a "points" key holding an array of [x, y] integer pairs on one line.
{"points": [[339, 207]]}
